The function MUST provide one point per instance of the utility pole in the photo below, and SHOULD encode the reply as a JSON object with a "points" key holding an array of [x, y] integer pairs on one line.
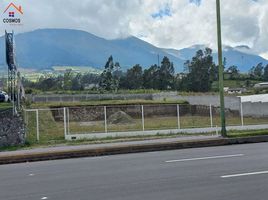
{"points": [[223, 124]]}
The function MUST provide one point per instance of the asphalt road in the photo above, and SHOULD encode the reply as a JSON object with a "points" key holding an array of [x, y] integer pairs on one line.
{"points": [[228, 172]]}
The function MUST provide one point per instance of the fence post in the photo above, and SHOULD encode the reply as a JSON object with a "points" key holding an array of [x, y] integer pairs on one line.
{"points": [[37, 125], [26, 122], [142, 117], [105, 119], [211, 117], [241, 113], [178, 116], [64, 121], [68, 121]]}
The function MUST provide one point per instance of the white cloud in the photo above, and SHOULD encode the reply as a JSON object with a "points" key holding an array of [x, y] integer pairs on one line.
{"points": [[243, 21]]}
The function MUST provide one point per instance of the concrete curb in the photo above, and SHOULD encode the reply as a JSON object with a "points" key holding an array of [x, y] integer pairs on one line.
{"points": [[124, 149]]}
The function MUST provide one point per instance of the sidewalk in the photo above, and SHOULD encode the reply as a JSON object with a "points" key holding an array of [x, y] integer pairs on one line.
{"points": [[64, 152]]}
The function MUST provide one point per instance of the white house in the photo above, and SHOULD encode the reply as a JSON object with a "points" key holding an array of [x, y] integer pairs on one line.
{"points": [[263, 85]]}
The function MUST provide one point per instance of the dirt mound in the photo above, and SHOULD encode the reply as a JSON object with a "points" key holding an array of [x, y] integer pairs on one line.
{"points": [[120, 117]]}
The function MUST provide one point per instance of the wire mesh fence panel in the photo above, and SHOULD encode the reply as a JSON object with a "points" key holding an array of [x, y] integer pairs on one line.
{"points": [[31, 125], [51, 124], [216, 116], [233, 115], [47, 125], [157, 117], [85, 120], [124, 118], [255, 120], [194, 116]]}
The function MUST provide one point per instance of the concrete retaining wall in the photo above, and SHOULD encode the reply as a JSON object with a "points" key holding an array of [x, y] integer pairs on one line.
{"points": [[256, 109], [86, 97], [231, 102], [12, 130]]}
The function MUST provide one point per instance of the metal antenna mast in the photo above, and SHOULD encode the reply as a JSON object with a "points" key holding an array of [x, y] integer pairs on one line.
{"points": [[12, 69]]}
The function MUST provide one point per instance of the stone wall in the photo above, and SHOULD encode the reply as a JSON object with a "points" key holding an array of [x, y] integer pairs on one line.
{"points": [[12, 130], [96, 113]]}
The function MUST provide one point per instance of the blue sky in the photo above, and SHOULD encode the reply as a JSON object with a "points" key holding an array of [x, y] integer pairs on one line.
{"points": [[163, 12], [197, 2]]}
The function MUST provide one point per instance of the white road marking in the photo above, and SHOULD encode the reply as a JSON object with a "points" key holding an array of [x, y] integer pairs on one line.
{"points": [[244, 174], [205, 158], [31, 174], [44, 198]]}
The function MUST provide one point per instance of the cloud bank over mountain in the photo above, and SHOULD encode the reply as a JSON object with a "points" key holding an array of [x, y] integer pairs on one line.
{"points": [[45, 48], [164, 23]]}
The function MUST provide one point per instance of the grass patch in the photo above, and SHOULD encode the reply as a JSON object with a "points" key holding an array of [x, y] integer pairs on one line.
{"points": [[103, 102], [235, 134], [118, 139], [231, 134], [15, 148], [5, 106], [49, 129], [55, 143]]}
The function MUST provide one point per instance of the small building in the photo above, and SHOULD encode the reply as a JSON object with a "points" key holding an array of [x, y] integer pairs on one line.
{"points": [[236, 90], [91, 86], [263, 85], [225, 89], [255, 98]]}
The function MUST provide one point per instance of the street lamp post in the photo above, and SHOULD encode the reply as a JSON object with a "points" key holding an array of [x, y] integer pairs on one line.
{"points": [[223, 124]]}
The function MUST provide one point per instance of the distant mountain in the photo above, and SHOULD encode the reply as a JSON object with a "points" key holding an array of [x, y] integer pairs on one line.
{"points": [[45, 48], [240, 56], [63, 47]]}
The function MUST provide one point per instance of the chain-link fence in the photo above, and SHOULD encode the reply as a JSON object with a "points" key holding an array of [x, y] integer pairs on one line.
{"points": [[55, 124]]}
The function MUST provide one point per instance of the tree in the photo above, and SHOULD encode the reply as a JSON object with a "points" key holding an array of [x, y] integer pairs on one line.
{"points": [[67, 79], [256, 72], [117, 73], [47, 84], [107, 79], [133, 78], [234, 72], [166, 74], [89, 78], [151, 77], [199, 71], [265, 73], [76, 82]]}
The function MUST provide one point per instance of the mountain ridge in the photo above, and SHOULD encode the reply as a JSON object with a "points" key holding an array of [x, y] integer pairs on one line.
{"points": [[45, 48]]}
